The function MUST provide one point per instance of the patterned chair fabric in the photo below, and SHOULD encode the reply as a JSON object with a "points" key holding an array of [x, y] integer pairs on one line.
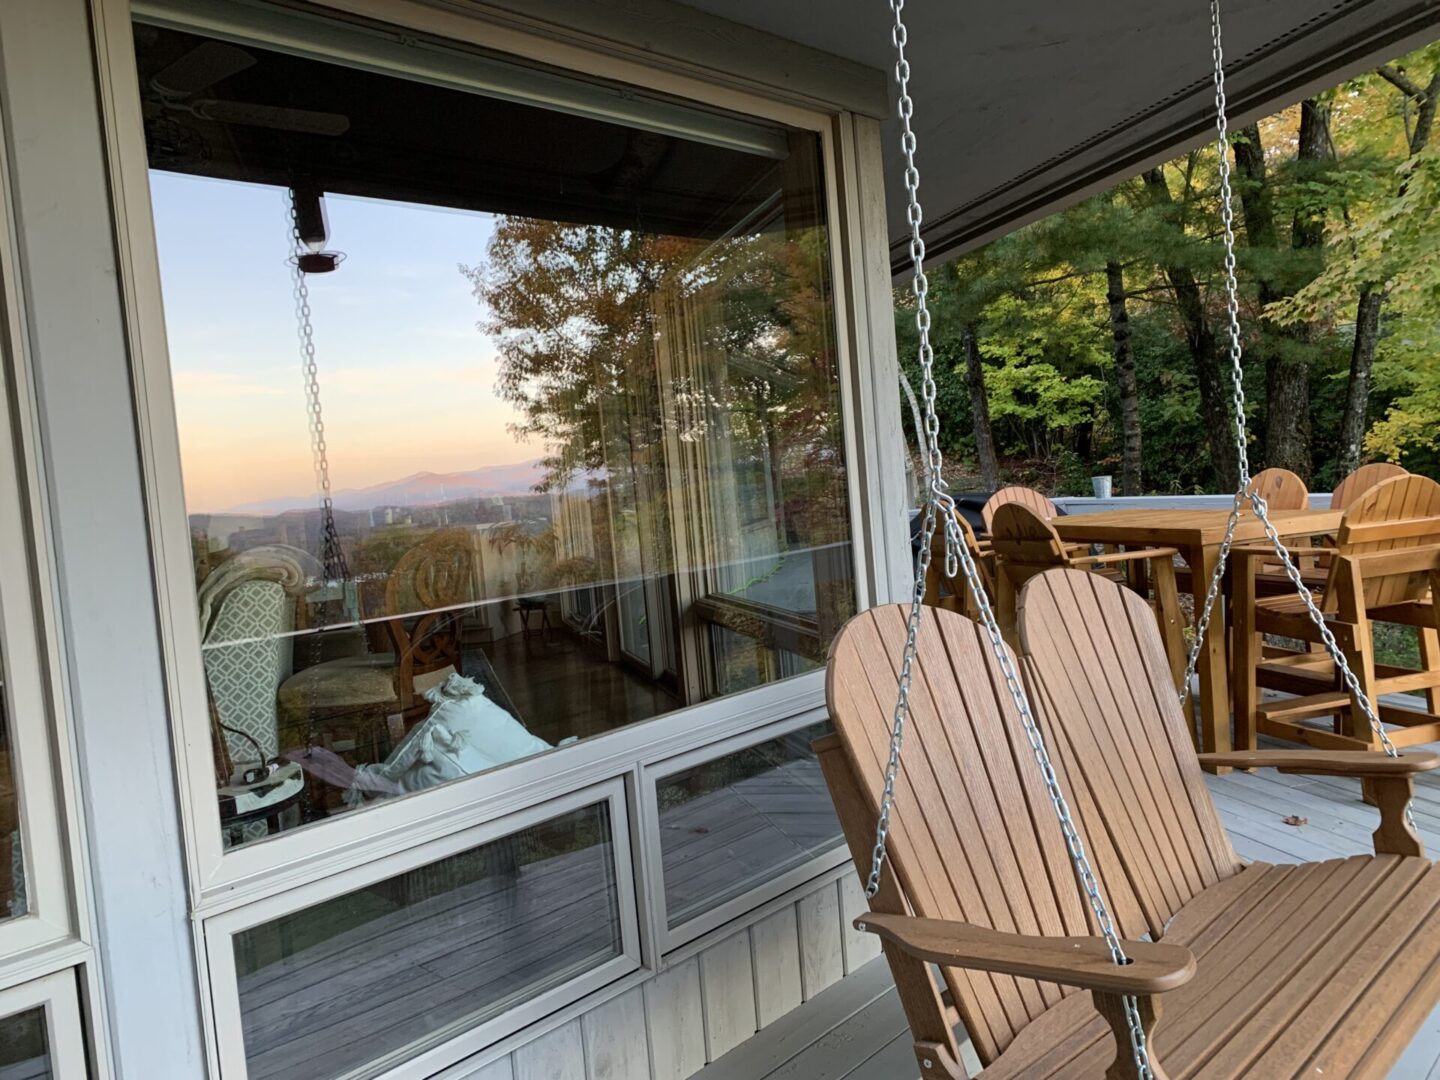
{"points": [[247, 655]]}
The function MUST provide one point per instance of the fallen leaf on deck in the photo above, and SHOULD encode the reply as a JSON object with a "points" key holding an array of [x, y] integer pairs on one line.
{"points": [[1295, 819]]}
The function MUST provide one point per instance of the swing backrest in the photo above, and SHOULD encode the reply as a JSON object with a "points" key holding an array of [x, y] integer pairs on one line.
{"points": [[1096, 664], [973, 836], [1017, 493], [1361, 481], [1395, 515], [1281, 489]]}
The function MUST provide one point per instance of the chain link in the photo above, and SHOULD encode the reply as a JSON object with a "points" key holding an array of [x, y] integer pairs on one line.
{"points": [[940, 505], [332, 555]]}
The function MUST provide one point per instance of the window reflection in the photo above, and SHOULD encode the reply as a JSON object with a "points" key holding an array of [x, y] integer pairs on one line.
{"points": [[12, 856], [580, 404]]}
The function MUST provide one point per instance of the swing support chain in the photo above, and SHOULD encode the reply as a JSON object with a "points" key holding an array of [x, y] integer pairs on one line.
{"points": [[1243, 494], [940, 512]]}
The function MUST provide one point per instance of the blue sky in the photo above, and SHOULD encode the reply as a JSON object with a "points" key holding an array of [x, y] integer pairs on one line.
{"points": [[407, 379]]}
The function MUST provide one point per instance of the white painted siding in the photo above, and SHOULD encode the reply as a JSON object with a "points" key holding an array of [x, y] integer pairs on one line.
{"points": [[707, 1004]]}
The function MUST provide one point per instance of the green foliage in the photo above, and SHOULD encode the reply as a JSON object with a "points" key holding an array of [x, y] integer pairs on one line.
{"points": [[1036, 301]]}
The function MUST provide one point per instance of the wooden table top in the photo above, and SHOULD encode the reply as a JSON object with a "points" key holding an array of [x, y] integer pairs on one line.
{"points": [[1187, 528]]}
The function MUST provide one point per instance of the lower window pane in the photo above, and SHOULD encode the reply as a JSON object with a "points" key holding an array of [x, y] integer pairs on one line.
{"points": [[25, 1046], [411, 960], [734, 823]]}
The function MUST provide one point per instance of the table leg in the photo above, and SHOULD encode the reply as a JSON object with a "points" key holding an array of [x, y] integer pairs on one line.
{"points": [[1212, 670]]}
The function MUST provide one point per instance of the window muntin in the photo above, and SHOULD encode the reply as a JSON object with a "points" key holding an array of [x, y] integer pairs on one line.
{"points": [[375, 975], [681, 404], [741, 819]]}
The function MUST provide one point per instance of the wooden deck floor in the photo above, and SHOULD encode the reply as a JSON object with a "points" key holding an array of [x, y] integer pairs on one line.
{"points": [[856, 1030]]}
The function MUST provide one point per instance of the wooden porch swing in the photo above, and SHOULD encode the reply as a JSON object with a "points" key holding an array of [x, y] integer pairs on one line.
{"points": [[1314, 970]]}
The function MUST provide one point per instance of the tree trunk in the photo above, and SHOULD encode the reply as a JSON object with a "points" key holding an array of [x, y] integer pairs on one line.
{"points": [[980, 412], [1215, 409], [1130, 478], [1287, 370], [1357, 390]]}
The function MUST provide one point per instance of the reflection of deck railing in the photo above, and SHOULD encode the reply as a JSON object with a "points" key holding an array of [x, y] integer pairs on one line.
{"points": [[775, 628]]}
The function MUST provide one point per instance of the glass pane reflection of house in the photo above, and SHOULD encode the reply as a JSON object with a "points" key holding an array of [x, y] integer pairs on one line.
{"points": [[582, 412]]}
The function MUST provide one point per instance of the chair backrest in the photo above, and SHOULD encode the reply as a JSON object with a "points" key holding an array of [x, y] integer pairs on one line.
{"points": [[247, 656], [1098, 673], [963, 840], [425, 597], [1016, 493], [1361, 481], [1281, 489], [972, 834], [943, 592], [1395, 515]]}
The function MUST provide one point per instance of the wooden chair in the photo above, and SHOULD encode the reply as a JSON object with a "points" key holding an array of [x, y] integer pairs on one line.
{"points": [[954, 595], [1281, 489], [1318, 970], [1016, 493], [1361, 481], [1026, 544], [1385, 567]]}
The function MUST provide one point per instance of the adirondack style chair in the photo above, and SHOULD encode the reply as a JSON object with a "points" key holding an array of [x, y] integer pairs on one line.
{"points": [[1281, 489], [1316, 970], [942, 592], [1017, 493], [1384, 567], [1026, 544], [1361, 481]]}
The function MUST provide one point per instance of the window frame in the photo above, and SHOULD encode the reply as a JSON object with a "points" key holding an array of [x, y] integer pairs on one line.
{"points": [[57, 995], [286, 860], [30, 683], [218, 932], [672, 938]]}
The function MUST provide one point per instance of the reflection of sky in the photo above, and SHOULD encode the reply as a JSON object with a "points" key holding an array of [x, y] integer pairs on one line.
{"points": [[407, 380]]}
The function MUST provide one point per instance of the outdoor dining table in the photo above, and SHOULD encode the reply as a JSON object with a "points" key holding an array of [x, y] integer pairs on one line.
{"points": [[1197, 535]]}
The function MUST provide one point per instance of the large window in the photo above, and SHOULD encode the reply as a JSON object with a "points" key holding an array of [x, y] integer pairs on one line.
{"points": [[501, 426]]}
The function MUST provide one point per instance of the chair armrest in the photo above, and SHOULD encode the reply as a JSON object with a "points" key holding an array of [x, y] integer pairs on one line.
{"points": [[1362, 763], [1134, 555], [1071, 961]]}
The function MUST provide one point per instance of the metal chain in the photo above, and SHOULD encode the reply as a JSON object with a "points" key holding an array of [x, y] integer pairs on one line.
{"points": [[332, 555], [1242, 494], [940, 504]]}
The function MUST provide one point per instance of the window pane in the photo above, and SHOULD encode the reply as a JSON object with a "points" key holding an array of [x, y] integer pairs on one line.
{"points": [[12, 863], [25, 1046], [734, 823], [408, 961], [580, 403]]}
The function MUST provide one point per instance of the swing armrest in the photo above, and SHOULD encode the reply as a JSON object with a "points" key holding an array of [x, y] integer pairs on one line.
{"points": [[1070, 961], [1361, 763], [1134, 555]]}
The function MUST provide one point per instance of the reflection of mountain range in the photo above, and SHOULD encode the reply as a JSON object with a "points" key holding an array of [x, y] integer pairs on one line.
{"points": [[419, 489]]}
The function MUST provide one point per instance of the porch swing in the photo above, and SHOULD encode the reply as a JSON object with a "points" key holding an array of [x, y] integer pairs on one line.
{"points": [[1316, 970]]}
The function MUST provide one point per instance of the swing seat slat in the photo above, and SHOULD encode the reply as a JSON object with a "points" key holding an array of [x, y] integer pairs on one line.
{"points": [[1323, 969]]}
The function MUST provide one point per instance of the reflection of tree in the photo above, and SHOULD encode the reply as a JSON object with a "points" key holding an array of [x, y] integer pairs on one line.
{"points": [[573, 312]]}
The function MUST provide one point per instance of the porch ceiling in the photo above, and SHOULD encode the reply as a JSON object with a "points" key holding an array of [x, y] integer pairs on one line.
{"points": [[1018, 104]]}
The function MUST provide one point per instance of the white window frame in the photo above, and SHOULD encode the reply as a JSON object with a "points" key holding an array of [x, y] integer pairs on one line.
{"points": [[32, 698], [219, 932], [58, 997], [671, 938], [219, 878]]}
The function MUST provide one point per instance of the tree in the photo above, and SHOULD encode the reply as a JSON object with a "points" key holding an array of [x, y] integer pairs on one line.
{"points": [[1373, 291], [1131, 454]]}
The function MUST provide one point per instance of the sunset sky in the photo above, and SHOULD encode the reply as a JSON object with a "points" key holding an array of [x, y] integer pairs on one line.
{"points": [[407, 380]]}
